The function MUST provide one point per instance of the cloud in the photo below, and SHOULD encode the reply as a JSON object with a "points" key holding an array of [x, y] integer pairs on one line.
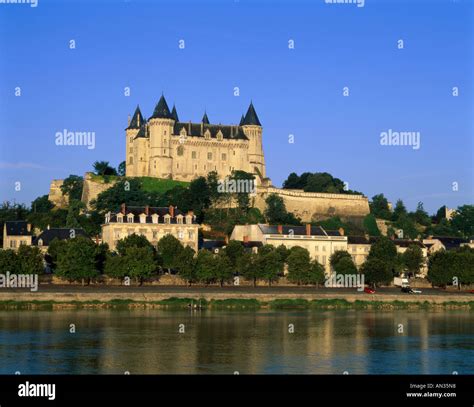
{"points": [[22, 165]]}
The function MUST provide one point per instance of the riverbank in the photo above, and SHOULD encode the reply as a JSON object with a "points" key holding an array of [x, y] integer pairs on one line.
{"points": [[203, 299]]}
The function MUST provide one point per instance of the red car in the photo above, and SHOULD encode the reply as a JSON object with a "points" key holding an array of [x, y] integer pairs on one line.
{"points": [[369, 290]]}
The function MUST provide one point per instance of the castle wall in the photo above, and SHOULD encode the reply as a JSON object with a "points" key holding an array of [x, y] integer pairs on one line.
{"points": [[314, 206], [91, 188], [56, 195]]}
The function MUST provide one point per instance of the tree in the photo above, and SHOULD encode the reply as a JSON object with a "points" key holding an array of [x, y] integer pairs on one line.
{"points": [[379, 207], [103, 168], [421, 216], [140, 263], [440, 268], [399, 210], [222, 269], [337, 256], [186, 265], [407, 225], [271, 266], [121, 169], [9, 261], [72, 187], [77, 261], [30, 260], [370, 225], [56, 246], [72, 218], [234, 250], [249, 266], [292, 182], [205, 265], [41, 205], [376, 271], [412, 259], [115, 266], [463, 220], [133, 240], [345, 266], [299, 265], [276, 213], [169, 248], [385, 250], [316, 273]]}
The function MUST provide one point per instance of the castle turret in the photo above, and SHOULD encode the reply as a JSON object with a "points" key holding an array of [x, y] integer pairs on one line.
{"points": [[174, 114], [131, 132], [253, 130], [205, 119], [161, 125]]}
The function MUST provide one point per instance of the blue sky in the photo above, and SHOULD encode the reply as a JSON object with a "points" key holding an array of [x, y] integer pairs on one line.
{"points": [[244, 44]]}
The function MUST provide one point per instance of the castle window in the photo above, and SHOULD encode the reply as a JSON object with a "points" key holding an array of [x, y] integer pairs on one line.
{"points": [[209, 156], [180, 234], [224, 157], [131, 139], [233, 152], [180, 150], [164, 132], [193, 154], [191, 235], [164, 151], [131, 160], [195, 167]]}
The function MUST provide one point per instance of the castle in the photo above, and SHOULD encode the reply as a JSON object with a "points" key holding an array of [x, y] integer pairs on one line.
{"points": [[165, 147]]}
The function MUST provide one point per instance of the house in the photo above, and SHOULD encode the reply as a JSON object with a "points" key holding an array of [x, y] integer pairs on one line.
{"points": [[435, 243], [16, 233], [319, 242], [151, 222], [44, 239]]}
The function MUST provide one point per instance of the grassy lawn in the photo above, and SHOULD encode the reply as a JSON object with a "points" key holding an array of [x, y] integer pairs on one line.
{"points": [[149, 184]]}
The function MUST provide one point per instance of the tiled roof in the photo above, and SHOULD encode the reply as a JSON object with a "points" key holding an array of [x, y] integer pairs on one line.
{"points": [[361, 239], [408, 243], [199, 129], [17, 228], [136, 211], [251, 117], [297, 230], [137, 120], [451, 242], [162, 110], [57, 233]]}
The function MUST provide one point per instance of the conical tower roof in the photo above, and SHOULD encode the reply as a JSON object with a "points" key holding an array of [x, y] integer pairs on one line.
{"points": [[137, 119], [162, 110], [205, 119], [251, 118], [174, 114]]}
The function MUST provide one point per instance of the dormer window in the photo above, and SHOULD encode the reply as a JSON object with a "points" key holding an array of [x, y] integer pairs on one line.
{"points": [[183, 132], [142, 218], [167, 218], [120, 218], [40, 242], [107, 217], [189, 219], [130, 218], [179, 219], [154, 218], [207, 134], [220, 136]]}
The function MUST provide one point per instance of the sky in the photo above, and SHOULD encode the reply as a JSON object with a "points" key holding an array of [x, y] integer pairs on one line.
{"points": [[398, 61]]}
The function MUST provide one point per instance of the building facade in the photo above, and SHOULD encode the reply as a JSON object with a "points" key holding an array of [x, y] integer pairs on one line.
{"points": [[164, 147], [151, 222], [16, 234], [320, 243]]}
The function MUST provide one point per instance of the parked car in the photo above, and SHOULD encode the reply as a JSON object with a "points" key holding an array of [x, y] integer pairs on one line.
{"points": [[369, 290], [415, 291], [410, 290]]}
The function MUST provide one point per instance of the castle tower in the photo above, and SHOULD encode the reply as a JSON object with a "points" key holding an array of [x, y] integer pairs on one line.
{"points": [[160, 126], [253, 130], [130, 133]]}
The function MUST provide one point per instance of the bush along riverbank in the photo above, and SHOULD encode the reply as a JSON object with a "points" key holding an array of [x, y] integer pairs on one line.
{"points": [[250, 304]]}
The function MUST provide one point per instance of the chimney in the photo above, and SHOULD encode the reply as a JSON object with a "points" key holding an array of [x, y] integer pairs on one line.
{"points": [[97, 239], [308, 229], [171, 211], [341, 231], [246, 239], [280, 229], [123, 208], [28, 227], [147, 210]]}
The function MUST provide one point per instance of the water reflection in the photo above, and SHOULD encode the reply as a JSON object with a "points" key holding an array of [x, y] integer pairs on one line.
{"points": [[148, 341]]}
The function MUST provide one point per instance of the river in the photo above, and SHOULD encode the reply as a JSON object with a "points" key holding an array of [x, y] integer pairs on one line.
{"points": [[255, 342]]}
